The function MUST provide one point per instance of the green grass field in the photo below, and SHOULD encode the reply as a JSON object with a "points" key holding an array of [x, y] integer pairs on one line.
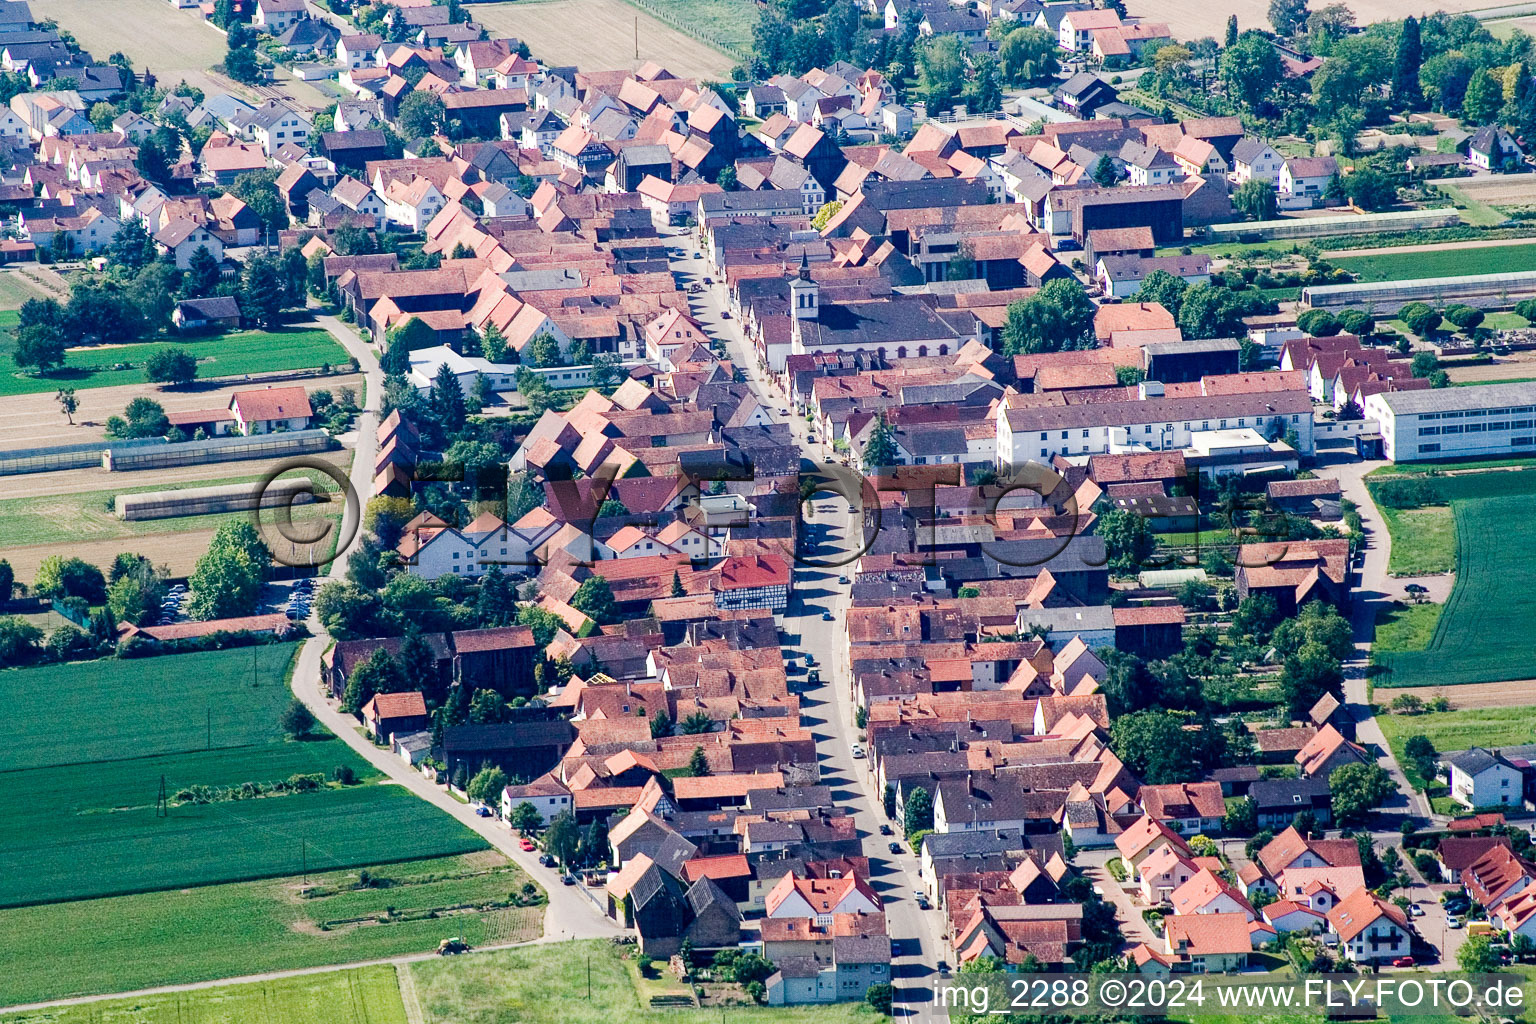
{"points": [[1423, 540], [1485, 628], [223, 931], [292, 348], [363, 995], [88, 515], [548, 985], [91, 742], [1402, 266], [727, 23], [1458, 730], [1408, 627], [15, 290]]}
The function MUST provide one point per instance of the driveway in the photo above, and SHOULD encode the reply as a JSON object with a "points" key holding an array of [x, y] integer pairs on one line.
{"points": [[1133, 926]]}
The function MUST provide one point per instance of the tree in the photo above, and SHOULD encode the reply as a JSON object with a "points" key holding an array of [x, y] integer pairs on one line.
{"points": [[1318, 623], [1406, 94], [879, 996], [131, 246], [7, 581], [880, 450], [1251, 69], [917, 816], [261, 297], [1357, 322], [240, 63], [296, 719], [826, 213], [40, 346], [227, 580], [1256, 200], [1164, 289], [1104, 172], [422, 114], [1308, 674], [1287, 16], [1465, 318], [1029, 56], [698, 764], [18, 640], [68, 403], [1160, 747], [525, 818], [1357, 790], [697, 723], [58, 576], [136, 591], [487, 785], [1424, 363], [1056, 317], [1484, 97], [446, 400], [1127, 538], [487, 707], [941, 70], [1319, 323], [984, 93], [1231, 37], [1370, 189], [1423, 321], [171, 366], [379, 673], [726, 179], [562, 839], [493, 344], [1477, 955], [661, 724], [544, 350], [594, 599], [202, 276]]}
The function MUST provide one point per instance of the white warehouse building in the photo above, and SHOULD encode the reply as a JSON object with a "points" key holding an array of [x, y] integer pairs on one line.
{"points": [[1455, 423]]}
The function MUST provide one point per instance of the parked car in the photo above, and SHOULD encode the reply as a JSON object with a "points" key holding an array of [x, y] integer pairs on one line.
{"points": [[1403, 961], [525, 844], [858, 751], [484, 812], [567, 879], [810, 659], [843, 580], [922, 902], [893, 847], [1414, 910], [1454, 922], [885, 830], [546, 860], [826, 616]]}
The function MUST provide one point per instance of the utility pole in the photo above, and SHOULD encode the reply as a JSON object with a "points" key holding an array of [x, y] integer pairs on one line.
{"points": [[637, 37], [304, 859], [162, 805]]}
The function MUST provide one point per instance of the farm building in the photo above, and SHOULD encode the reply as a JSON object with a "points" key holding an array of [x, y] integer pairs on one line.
{"points": [[67, 456], [196, 501], [1389, 296], [1455, 423], [220, 312], [125, 457]]}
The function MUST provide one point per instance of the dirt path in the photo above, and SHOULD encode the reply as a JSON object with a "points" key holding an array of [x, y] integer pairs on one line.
{"points": [[1508, 694]]}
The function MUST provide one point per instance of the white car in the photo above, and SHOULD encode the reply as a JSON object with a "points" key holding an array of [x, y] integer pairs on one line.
{"points": [[858, 751], [1453, 922]]}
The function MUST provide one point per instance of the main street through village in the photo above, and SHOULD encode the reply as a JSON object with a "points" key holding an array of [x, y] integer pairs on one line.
{"points": [[830, 528]]}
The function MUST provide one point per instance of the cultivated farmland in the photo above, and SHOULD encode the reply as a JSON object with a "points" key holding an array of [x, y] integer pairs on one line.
{"points": [[1402, 266], [223, 931], [601, 34], [1485, 628], [90, 744], [364, 995]]}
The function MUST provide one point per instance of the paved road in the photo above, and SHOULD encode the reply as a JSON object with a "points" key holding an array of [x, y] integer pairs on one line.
{"points": [[572, 912], [827, 710], [1375, 589]]}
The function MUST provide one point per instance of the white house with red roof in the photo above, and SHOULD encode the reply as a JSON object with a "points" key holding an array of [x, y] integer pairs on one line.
{"points": [[1369, 928], [1286, 916], [757, 581], [820, 898], [669, 332], [271, 409]]}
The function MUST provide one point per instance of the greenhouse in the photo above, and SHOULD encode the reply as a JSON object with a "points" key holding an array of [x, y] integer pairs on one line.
{"points": [[218, 449]]}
